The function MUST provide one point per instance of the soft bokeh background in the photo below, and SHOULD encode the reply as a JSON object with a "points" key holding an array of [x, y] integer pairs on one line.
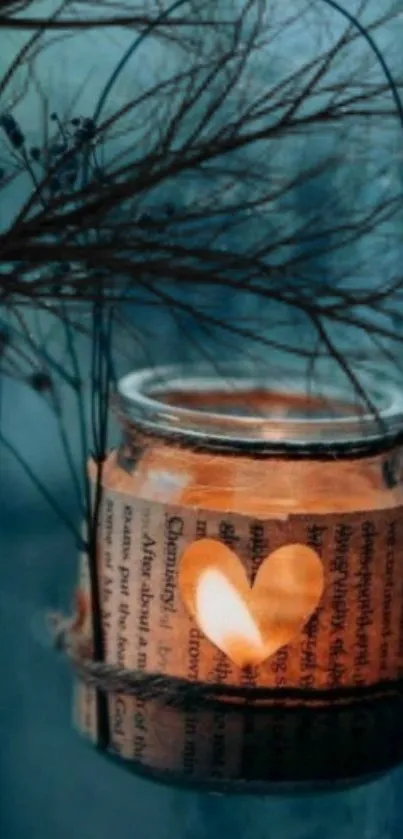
{"points": [[53, 786]]}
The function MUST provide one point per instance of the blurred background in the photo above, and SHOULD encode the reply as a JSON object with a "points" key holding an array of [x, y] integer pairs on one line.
{"points": [[52, 785]]}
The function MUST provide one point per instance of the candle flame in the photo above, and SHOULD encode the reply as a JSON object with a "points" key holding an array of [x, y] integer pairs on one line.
{"points": [[224, 617]]}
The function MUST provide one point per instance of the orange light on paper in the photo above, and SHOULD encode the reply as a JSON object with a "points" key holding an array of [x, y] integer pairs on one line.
{"points": [[239, 485], [249, 624]]}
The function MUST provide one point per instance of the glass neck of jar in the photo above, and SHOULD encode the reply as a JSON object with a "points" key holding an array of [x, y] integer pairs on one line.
{"points": [[262, 414]]}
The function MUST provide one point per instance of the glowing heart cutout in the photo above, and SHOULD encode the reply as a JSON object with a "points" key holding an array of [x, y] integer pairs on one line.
{"points": [[249, 624]]}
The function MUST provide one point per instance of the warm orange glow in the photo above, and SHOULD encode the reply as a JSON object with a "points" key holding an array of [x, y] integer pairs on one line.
{"points": [[249, 623], [224, 617]]}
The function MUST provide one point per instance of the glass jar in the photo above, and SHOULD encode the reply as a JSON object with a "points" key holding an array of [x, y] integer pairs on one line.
{"points": [[205, 441], [259, 466]]}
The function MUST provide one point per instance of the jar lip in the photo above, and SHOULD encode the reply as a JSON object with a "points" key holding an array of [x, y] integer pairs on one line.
{"points": [[139, 391]]}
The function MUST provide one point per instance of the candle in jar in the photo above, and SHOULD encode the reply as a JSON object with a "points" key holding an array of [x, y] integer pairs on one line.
{"points": [[260, 543]]}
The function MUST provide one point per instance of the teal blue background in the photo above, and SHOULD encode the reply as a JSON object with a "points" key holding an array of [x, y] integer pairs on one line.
{"points": [[52, 785]]}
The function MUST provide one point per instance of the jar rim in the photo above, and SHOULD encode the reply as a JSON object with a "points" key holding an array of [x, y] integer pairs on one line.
{"points": [[141, 399]]}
